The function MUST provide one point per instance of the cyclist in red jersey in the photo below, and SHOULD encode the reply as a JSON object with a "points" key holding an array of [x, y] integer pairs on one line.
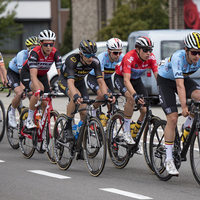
{"points": [[34, 71], [128, 81]]}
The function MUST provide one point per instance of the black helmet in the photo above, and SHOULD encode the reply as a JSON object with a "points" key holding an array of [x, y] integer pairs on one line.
{"points": [[88, 47]]}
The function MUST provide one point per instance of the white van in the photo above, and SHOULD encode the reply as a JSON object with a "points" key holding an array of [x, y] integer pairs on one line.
{"points": [[166, 42]]}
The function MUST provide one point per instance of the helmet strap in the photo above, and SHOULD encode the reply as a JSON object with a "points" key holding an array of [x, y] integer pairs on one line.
{"points": [[139, 55], [109, 54], [188, 59]]}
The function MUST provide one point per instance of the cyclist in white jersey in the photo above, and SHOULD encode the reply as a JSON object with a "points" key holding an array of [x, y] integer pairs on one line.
{"points": [[173, 77], [3, 71], [13, 75]]}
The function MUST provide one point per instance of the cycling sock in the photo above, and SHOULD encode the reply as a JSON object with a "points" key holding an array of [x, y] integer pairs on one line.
{"points": [[188, 121], [69, 123], [12, 110], [127, 121], [168, 146], [30, 114]]}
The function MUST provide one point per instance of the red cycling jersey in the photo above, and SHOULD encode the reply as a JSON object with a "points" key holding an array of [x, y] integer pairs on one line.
{"points": [[43, 64], [131, 64]]}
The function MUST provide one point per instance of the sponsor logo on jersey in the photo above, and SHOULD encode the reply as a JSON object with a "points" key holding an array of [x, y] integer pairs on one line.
{"points": [[131, 59], [73, 59], [136, 65]]}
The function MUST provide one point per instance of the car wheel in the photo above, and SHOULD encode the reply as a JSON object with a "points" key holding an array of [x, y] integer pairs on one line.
{"points": [[54, 84]]}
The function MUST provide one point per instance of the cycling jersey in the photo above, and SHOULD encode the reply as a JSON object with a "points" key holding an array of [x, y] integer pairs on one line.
{"points": [[75, 69], [177, 67], [39, 61], [106, 65], [1, 60], [131, 64], [17, 62]]}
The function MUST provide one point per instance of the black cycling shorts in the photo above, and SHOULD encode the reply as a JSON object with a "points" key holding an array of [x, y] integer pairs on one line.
{"points": [[137, 85], [80, 85], [26, 80], [94, 86], [167, 89], [13, 78]]}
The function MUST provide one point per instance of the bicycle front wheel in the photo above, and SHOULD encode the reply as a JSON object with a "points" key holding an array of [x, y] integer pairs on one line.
{"points": [[49, 136], [117, 151], [62, 150], [146, 140], [2, 120], [158, 151], [12, 133], [94, 147], [195, 155]]}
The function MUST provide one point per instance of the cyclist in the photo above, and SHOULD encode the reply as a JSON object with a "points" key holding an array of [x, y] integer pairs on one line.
{"points": [[34, 71], [173, 76], [3, 71], [108, 60], [13, 75], [128, 81], [72, 83]]}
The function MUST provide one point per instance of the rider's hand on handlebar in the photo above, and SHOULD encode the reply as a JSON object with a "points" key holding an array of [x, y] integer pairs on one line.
{"points": [[138, 99], [109, 98], [77, 99], [185, 112]]}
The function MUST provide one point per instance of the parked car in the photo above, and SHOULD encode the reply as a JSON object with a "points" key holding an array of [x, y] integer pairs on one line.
{"points": [[53, 75]]}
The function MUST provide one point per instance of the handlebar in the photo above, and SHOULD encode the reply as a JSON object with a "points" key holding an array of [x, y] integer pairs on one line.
{"points": [[6, 87]]}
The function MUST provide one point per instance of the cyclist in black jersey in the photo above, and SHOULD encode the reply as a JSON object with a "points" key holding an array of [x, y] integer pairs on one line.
{"points": [[72, 83]]}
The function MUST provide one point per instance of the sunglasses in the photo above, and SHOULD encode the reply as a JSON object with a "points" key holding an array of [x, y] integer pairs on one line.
{"points": [[89, 55], [47, 44], [194, 53], [116, 53], [146, 50]]}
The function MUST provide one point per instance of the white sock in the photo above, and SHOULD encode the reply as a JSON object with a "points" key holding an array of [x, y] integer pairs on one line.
{"points": [[168, 151], [94, 112], [188, 121], [127, 122], [12, 110], [30, 114]]}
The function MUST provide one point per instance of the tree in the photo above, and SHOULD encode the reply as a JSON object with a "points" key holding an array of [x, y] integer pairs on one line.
{"points": [[9, 28], [133, 15]]}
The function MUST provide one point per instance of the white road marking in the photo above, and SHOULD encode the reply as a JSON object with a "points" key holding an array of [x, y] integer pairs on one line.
{"points": [[2, 161], [44, 173], [124, 193]]}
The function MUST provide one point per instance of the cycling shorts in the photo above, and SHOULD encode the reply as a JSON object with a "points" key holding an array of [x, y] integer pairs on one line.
{"points": [[137, 85], [13, 78], [94, 86], [80, 85], [167, 89]]}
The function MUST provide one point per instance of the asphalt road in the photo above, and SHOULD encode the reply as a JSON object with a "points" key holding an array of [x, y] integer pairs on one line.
{"points": [[37, 178]]}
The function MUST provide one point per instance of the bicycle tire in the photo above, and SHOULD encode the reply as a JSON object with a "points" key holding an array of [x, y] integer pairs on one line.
{"points": [[2, 120], [157, 151], [49, 135], [12, 133], [62, 153], [25, 143], [118, 153], [94, 147], [146, 138], [195, 155]]}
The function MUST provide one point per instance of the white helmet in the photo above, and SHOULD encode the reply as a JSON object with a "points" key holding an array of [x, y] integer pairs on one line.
{"points": [[114, 44], [47, 35], [192, 40]]}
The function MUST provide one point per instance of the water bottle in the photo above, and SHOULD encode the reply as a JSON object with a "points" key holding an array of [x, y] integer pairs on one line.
{"points": [[79, 127], [74, 129], [103, 119], [38, 118]]}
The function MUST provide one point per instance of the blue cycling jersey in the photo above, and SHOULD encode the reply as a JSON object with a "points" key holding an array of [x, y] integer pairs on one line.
{"points": [[107, 66], [17, 62], [176, 66]]}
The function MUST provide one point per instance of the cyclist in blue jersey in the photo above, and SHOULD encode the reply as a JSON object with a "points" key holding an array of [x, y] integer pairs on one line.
{"points": [[173, 76], [108, 61], [13, 76]]}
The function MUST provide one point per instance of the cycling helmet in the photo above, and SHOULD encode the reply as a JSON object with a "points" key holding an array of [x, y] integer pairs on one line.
{"points": [[31, 41], [87, 47], [143, 42], [114, 44], [47, 35], [192, 40]]}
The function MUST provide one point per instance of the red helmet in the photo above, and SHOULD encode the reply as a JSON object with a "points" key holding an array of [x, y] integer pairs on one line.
{"points": [[143, 42]]}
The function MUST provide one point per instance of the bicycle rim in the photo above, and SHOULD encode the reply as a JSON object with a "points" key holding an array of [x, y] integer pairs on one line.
{"points": [[25, 143], [117, 151], [94, 147], [195, 156], [62, 150], [158, 152], [2, 120], [146, 141], [49, 136]]}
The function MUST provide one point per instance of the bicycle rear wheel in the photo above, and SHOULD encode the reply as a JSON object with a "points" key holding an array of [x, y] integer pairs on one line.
{"points": [[62, 150], [158, 152], [2, 120], [25, 143], [146, 140], [12, 133], [94, 147], [195, 155], [49, 135], [117, 151]]}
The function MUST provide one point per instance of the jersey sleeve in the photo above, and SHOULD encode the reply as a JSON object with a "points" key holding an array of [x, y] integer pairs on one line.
{"points": [[20, 60], [97, 68], [101, 60], [1, 60], [126, 64], [176, 63], [153, 65], [32, 60], [58, 60], [69, 67]]}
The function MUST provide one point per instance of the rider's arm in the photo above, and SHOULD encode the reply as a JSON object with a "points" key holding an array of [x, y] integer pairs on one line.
{"points": [[58, 62], [128, 84], [34, 79], [155, 74], [3, 72]]}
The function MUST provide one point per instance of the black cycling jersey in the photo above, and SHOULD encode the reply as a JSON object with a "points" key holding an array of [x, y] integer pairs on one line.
{"points": [[75, 69]]}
